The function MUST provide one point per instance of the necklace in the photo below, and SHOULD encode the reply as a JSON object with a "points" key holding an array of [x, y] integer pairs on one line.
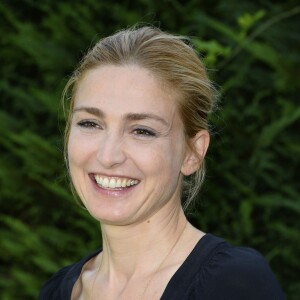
{"points": [[92, 292], [163, 261], [156, 269]]}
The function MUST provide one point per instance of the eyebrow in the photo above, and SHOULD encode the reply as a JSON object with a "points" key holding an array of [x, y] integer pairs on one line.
{"points": [[91, 110], [143, 116], [130, 116]]}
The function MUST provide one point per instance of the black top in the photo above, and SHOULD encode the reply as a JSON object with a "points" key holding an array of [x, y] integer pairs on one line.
{"points": [[214, 270]]}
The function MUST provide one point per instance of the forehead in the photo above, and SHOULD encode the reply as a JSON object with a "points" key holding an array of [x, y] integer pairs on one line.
{"points": [[125, 88]]}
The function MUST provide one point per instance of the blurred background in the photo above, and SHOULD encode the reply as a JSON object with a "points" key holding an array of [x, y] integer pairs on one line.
{"points": [[252, 193]]}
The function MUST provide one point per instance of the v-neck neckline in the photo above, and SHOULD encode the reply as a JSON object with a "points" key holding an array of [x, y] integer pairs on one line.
{"points": [[184, 274]]}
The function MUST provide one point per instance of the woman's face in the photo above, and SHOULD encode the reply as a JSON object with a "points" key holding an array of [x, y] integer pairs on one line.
{"points": [[126, 147]]}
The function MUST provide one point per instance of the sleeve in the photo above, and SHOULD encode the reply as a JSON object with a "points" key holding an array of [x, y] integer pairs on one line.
{"points": [[60, 285], [51, 289], [240, 273]]}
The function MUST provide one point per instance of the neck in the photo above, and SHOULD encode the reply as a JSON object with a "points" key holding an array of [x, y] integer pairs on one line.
{"points": [[128, 250]]}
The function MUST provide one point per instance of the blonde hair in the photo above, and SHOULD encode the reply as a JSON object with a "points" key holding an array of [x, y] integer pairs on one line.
{"points": [[171, 59]]}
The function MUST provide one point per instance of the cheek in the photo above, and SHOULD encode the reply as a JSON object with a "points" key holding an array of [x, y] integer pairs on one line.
{"points": [[162, 161], [79, 149], [73, 150], [177, 151]]}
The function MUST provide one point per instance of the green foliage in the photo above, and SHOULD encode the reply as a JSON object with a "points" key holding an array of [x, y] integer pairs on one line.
{"points": [[251, 195]]}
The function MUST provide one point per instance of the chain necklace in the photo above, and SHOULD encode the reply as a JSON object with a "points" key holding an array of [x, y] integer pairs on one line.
{"points": [[92, 292], [164, 260], [155, 271]]}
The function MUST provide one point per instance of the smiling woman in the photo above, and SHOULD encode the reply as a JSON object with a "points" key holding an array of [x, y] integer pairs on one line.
{"points": [[137, 127], [136, 136]]}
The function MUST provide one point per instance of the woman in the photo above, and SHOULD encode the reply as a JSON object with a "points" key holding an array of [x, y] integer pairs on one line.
{"points": [[137, 127]]}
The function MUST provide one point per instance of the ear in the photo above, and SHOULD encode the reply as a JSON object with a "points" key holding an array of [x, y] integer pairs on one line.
{"points": [[195, 153]]}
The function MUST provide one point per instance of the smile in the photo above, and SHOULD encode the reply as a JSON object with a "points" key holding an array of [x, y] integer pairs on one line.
{"points": [[114, 182]]}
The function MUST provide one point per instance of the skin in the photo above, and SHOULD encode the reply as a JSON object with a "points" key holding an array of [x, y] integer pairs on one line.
{"points": [[126, 124]]}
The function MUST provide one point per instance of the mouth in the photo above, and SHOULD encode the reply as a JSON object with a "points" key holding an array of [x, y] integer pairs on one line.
{"points": [[114, 183]]}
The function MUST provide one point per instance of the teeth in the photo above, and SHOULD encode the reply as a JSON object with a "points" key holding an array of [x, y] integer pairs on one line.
{"points": [[113, 183], [105, 182], [124, 182], [119, 183]]}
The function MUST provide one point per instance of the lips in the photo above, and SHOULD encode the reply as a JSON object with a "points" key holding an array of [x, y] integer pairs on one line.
{"points": [[115, 182]]}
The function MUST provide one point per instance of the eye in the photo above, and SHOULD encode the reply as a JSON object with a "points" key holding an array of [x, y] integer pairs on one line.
{"points": [[144, 132], [88, 124]]}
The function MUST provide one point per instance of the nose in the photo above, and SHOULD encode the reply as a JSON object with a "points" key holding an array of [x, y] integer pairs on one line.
{"points": [[111, 151]]}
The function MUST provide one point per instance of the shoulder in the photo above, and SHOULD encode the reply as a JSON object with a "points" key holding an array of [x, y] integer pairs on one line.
{"points": [[60, 285], [52, 289], [238, 273]]}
